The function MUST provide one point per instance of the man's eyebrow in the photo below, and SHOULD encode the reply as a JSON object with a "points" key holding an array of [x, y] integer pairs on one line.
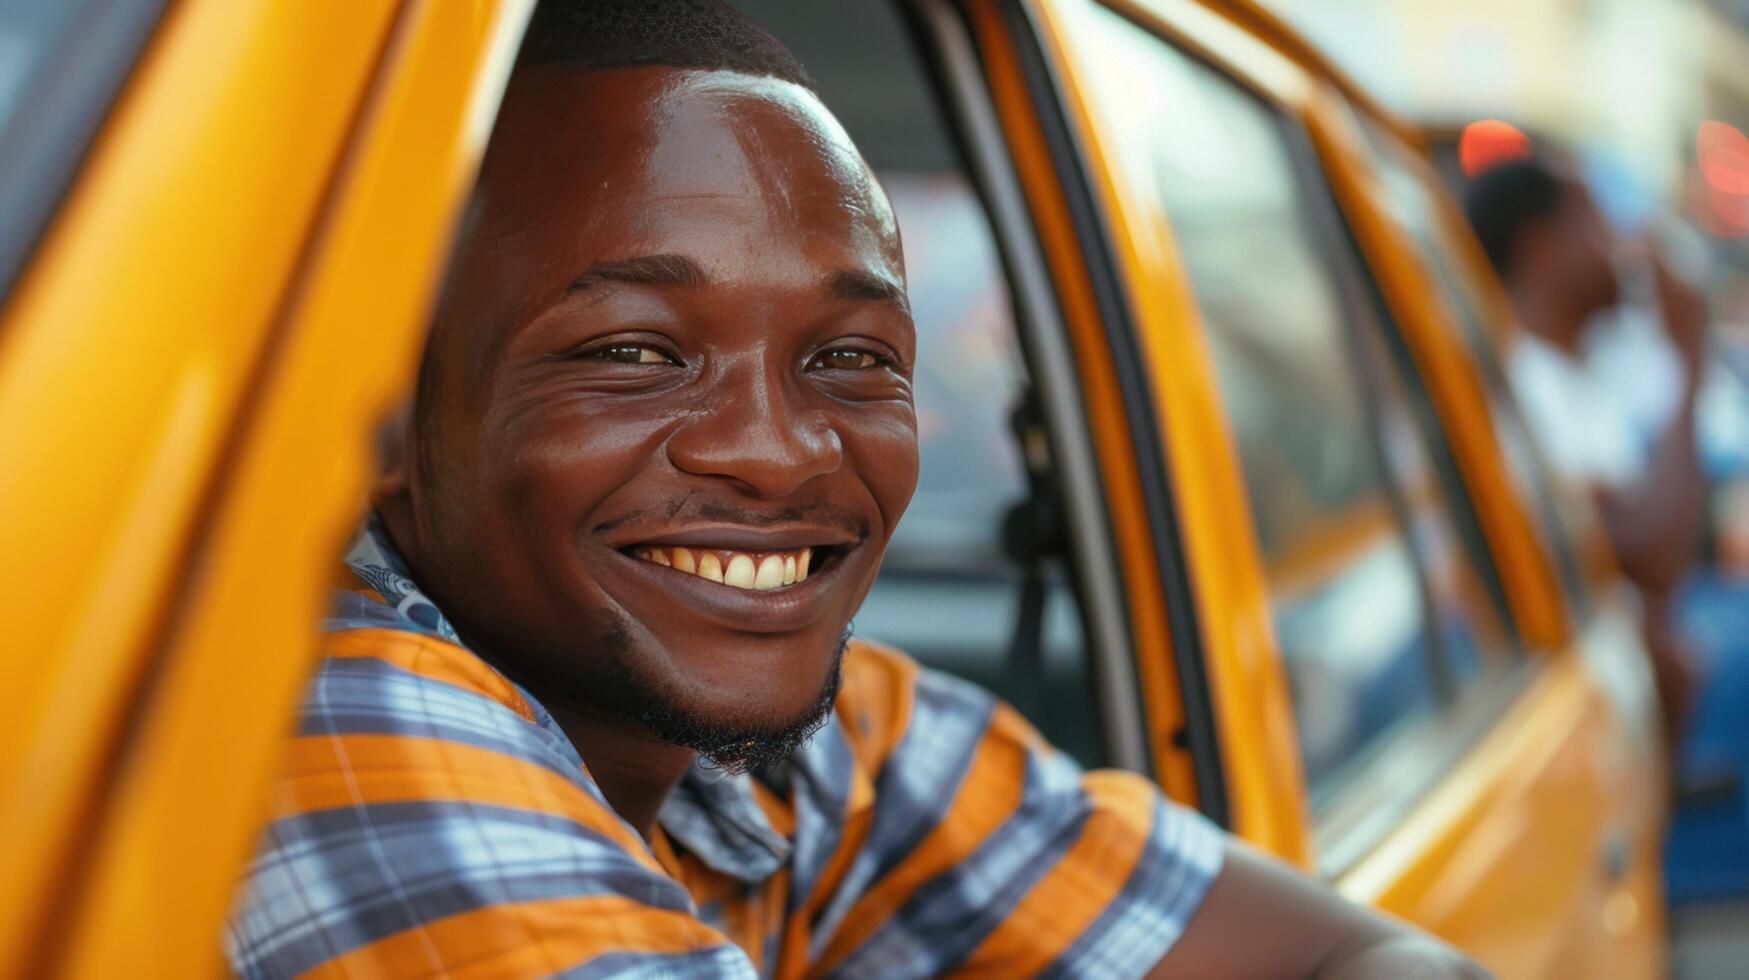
{"points": [[642, 270], [857, 284]]}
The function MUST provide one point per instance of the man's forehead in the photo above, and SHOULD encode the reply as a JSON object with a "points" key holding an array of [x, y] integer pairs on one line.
{"points": [[750, 180], [605, 145]]}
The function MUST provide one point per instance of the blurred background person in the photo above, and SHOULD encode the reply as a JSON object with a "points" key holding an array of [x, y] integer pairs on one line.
{"points": [[1608, 369], [1637, 390]]}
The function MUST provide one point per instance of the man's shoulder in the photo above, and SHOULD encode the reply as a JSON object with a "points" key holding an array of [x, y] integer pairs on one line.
{"points": [[396, 719], [424, 798], [408, 701], [390, 657]]}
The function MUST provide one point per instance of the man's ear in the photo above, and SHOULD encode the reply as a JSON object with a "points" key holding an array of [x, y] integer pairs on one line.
{"points": [[394, 446]]}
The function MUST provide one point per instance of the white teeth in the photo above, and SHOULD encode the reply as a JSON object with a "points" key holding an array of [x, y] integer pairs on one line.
{"points": [[740, 573], [741, 570]]}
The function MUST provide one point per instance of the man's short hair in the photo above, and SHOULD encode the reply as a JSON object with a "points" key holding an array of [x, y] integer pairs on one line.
{"points": [[1502, 201], [703, 34]]}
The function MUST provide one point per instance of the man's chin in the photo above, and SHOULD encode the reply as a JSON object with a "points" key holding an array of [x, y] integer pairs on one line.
{"points": [[740, 724], [734, 738]]}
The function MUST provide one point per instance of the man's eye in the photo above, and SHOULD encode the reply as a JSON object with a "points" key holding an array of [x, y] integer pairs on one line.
{"points": [[845, 359], [631, 354]]}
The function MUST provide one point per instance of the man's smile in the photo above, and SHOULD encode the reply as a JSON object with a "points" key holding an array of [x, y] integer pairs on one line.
{"points": [[738, 569], [747, 578], [738, 590]]}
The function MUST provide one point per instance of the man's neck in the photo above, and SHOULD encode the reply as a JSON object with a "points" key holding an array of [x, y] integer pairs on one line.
{"points": [[635, 771]]}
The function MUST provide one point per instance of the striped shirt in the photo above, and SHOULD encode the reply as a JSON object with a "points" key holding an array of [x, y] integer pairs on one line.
{"points": [[433, 820]]}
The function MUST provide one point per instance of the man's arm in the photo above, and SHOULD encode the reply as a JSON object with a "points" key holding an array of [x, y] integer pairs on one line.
{"points": [[1655, 524], [1262, 919]]}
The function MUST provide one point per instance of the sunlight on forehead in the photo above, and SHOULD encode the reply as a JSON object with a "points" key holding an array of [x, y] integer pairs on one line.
{"points": [[701, 144]]}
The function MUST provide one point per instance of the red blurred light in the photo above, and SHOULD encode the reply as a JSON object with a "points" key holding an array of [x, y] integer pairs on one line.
{"points": [[1723, 154], [1489, 142], [1733, 212], [1718, 212]]}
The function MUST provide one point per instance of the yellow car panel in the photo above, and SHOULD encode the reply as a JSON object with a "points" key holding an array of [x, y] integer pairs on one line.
{"points": [[1247, 685], [125, 351], [1504, 858], [256, 278], [351, 345]]}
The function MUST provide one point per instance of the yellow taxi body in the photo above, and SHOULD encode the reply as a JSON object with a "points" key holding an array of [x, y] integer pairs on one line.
{"points": [[229, 293]]}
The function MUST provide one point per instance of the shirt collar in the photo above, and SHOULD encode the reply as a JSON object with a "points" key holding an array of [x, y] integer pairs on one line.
{"points": [[378, 564], [712, 813]]}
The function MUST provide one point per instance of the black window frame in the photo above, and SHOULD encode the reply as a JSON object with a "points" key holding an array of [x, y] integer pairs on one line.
{"points": [[1199, 734]]}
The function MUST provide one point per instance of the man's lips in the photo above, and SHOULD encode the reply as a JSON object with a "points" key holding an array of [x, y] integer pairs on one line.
{"points": [[735, 537]]}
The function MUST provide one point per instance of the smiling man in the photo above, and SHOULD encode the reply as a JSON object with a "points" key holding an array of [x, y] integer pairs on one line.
{"points": [[590, 705]]}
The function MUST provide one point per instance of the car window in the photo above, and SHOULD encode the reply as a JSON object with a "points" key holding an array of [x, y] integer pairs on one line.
{"points": [[1350, 606], [61, 64], [1469, 602], [1409, 202], [951, 591]]}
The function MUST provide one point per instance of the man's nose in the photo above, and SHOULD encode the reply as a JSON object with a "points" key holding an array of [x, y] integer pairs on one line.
{"points": [[757, 432]]}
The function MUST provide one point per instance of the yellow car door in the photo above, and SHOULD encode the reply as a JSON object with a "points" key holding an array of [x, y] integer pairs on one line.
{"points": [[1617, 927], [227, 291], [1379, 652]]}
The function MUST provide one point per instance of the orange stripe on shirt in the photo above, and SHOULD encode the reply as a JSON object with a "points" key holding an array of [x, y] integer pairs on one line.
{"points": [[875, 710], [328, 771], [523, 939], [430, 657], [874, 705], [989, 794], [1085, 880]]}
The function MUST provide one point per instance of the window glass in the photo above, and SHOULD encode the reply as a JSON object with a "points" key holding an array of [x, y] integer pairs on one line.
{"points": [[950, 593], [1469, 604], [1350, 607], [1410, 203], [61, 64]]}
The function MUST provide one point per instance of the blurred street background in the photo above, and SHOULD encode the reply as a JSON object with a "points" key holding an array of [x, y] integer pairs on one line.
{"points": [[1651, 100]]}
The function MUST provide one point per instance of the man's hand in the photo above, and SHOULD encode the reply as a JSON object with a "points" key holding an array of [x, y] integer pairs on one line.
{"points": [[1262, 919], [1684, 312]]}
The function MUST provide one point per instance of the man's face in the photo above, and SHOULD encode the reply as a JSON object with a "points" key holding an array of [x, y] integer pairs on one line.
{"points": [[1583, 251], [666, 425]]}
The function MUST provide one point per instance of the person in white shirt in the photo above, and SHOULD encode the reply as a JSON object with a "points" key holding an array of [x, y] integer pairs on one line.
{"points": [[1607, 367]]}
